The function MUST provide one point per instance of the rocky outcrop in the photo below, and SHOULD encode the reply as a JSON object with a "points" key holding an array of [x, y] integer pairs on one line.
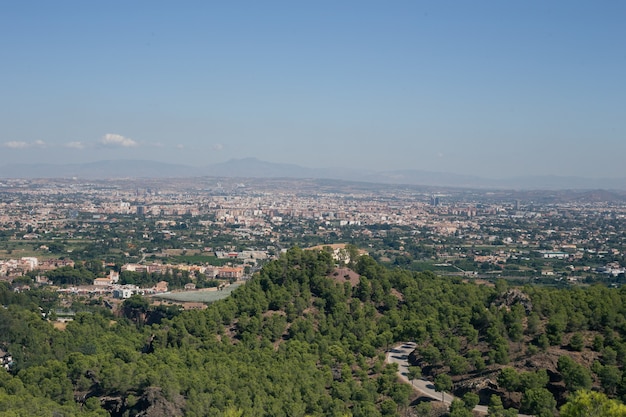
{"points": [[514, 296], [153, 403]]}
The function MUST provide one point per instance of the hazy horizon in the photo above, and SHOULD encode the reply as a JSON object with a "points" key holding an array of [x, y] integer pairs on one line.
{"points": [[253, 160], [491, 89]]}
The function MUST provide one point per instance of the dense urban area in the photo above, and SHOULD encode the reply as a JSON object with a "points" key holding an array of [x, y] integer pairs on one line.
{"points": [[328, 275], [575, 237]]}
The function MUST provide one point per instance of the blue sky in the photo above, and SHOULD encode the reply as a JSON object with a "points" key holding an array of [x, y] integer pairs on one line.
{"points": [[490, 88]]}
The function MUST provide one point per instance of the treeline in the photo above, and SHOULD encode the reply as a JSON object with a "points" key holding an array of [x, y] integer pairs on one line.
{"points": [[68, 275], [298, 341], [175, 278], [85, 273]]}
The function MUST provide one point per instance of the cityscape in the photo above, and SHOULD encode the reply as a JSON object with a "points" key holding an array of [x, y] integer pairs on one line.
{"points": [[575, 237], [147, 252], [312, 209]]}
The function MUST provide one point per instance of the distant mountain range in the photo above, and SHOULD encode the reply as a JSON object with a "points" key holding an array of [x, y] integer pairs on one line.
{"points": [[255, 168]]}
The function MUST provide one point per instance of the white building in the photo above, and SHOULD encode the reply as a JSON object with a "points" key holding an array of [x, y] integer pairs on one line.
{"points": [[122, 293]]}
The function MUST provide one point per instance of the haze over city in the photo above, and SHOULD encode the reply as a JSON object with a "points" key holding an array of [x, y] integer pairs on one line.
{"points": [[495, 89]]}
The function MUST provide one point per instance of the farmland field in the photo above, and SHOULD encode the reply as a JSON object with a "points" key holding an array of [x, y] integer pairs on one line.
{"points": [[200, 296]]}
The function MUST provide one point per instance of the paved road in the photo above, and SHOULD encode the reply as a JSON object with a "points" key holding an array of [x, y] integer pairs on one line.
{"points": [[400, 355]]}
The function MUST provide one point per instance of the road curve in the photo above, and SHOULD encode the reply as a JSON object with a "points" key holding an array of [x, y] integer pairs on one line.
{"points": [[400, 355]]}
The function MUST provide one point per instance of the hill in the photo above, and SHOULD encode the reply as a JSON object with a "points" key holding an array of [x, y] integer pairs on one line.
{"points": [[296, 340]]}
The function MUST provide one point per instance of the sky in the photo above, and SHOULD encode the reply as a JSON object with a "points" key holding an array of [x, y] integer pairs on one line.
{"points": [[490, 88]]}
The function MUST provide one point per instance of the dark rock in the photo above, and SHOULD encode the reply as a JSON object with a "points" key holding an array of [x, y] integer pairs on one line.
{"points": [[514, 296]]}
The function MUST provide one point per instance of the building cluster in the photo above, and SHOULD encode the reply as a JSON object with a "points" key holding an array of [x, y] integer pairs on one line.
{"points": [[210, 271], [248, 223], [25, 264], [110, 284]]}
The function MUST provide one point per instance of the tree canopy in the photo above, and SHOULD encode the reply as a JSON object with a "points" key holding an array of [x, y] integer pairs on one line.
{"points": [[297, 340]]}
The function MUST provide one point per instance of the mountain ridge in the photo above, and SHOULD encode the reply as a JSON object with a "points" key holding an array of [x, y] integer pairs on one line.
{"points": [[256, 168]]}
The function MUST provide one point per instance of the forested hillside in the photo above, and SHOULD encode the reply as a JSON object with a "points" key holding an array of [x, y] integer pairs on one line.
{"points": [[301, 339]]}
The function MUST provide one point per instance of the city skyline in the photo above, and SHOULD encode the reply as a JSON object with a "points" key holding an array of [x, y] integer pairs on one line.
{"points": [[490, 89]]}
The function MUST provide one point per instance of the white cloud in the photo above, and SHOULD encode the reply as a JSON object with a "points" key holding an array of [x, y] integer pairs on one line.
{"points": [[40, 144], [75, 145], [180, 146], [218, 147], [14, 144], [111, 139]]}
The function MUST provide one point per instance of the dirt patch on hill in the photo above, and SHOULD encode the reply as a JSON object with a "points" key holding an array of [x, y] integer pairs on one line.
{"points": [[59, 325], [342, 275]]}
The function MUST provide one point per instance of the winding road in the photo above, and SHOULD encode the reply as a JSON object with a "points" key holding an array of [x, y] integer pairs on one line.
{"points": [[400, 355]]}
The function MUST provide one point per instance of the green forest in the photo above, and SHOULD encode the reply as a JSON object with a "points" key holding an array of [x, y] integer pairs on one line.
{"points": [[298, 340]]}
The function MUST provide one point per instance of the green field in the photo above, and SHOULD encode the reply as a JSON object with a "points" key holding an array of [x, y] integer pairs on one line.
{"points": [[198, 296], [201, 259]]}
